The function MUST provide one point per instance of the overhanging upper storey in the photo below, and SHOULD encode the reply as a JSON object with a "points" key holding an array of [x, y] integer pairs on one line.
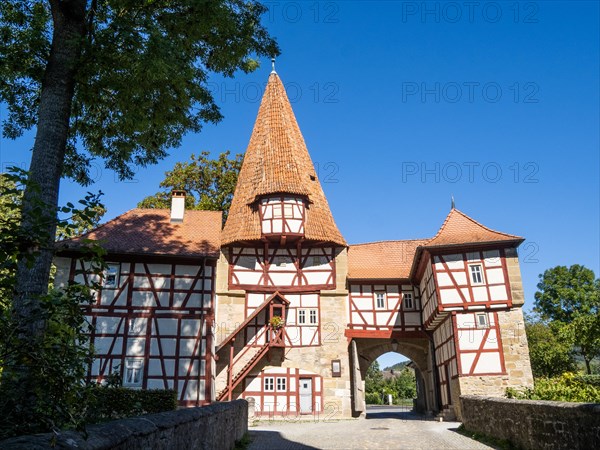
{"points": [[278, 193]]}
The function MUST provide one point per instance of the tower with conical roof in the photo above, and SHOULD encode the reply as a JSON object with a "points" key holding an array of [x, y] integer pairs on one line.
{"points": [[281, 294]]}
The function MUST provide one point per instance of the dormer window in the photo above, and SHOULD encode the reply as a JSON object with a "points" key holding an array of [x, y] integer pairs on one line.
{"points": [[282, 216]]}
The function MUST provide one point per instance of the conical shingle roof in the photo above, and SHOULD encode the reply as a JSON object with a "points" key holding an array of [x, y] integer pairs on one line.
{"points": [[276, 162]]}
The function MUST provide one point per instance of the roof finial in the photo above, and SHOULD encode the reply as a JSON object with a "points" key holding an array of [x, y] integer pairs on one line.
{"points": [[452, 202], [273, 65]]}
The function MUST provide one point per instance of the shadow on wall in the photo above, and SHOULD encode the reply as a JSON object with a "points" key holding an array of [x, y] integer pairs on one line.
{"points": [[274, 439]]}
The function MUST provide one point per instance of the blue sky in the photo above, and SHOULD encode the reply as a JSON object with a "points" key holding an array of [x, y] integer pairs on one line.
{"points": [[404, 104]]}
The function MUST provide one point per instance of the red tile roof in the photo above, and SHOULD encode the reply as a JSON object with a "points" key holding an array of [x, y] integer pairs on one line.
{"points": [[382, 260], [150, 232], [458, 228], [394, 259], [277, 161]]}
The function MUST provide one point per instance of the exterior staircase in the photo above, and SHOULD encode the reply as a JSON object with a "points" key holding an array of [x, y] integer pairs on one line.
{"points": [[266, 338]]}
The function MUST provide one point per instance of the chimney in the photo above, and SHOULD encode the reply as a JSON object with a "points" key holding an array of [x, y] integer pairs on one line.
{"points": [[177, 206]]}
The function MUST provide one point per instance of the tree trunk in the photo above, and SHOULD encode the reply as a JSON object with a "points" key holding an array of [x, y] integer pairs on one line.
{"points": [[587, 365], [45, 172]]}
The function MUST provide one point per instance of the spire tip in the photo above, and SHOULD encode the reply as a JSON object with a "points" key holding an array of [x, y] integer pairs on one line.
{"points": [[273, 65]]}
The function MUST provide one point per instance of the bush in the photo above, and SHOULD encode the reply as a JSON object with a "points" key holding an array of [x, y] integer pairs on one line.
{"points": [[109, 403], [372, 398], [569, 387]]}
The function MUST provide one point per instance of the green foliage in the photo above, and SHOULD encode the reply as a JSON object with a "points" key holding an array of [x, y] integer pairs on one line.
{"points": [[549, 354], [569, 298], [142, 75], [58, 359], [109, 403], [373, 398], [568, 387], [209, 183], [402, 385]]}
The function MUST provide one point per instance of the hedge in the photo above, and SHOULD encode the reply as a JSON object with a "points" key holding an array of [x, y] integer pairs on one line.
{"points": [[569, 387], [109, 403]]}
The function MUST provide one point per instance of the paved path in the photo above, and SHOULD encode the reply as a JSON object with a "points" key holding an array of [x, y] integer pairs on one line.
{"points": [[384, 428]]}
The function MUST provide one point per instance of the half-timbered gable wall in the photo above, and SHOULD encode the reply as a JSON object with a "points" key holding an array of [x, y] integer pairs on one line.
{"points": [[473, 280], [282, 268], [388, 306], [153, 323]]}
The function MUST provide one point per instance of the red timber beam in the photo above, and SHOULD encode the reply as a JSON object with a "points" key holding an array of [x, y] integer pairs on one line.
{"points": [[384, 334]]}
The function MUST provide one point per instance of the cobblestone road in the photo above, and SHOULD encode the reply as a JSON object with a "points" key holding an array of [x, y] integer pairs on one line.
{"points": [[384, 428]]}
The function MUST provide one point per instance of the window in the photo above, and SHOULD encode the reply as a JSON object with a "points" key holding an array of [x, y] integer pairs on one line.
{"points": [[281, 384], [269, 384], [408, 300], [288, 211], [111, 275], [380, 300], [307, 317], [481, 320], [301, 316], [277, 212], [476, 274], [134, 326], [133, 372]]}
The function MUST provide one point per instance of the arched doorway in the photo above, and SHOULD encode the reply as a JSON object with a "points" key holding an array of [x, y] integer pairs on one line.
{"points": [[366, 351]]}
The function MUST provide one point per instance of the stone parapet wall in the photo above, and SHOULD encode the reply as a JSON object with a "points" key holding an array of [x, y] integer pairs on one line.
{"points": [[211, 427], [534, 424]]}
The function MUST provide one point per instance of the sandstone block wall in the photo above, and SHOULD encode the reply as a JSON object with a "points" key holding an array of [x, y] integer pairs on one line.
{"points": [[534, 424], [214, 427]]}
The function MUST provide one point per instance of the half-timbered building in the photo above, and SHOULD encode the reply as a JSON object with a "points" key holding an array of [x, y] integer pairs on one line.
{"points": [[278, 307]]}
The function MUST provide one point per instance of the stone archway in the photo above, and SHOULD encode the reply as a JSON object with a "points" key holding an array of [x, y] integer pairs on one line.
{"points": [[417, 350]]}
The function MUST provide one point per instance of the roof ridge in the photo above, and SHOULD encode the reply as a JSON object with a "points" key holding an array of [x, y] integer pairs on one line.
{"points": [[389, 240]]}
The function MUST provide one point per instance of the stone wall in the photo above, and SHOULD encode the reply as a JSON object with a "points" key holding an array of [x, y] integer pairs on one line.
{"points": [[216, 426], [534, 424]]}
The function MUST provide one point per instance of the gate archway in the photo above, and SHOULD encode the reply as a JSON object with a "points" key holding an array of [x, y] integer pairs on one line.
{"points": [[367, 350]]}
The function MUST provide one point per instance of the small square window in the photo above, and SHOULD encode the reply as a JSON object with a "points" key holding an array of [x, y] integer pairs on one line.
{"points": [[281, 384], [481, 320], [111, 275], [269, 384], [133, 372], [277, 211], [312, 315], [476, 274], [380, 300], [408, 300]]}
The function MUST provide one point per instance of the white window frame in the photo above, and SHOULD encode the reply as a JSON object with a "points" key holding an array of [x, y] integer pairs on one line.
{"points": [[383, 300], [277, 211], [133, 375], [269, 384], [111, 269], [306, 316], [486, 320], [281, 384], [473, 273], [410, 304]]}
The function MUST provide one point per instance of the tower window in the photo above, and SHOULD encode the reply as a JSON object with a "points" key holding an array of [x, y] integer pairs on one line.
{"points": [[476, 274], [408, 300], [111, 275], [380, 300]]}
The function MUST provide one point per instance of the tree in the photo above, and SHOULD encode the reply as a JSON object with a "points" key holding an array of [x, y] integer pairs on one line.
{"points": [[209, 184], [549, 354], [374, 379], [570, 299], [120, 80]]}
